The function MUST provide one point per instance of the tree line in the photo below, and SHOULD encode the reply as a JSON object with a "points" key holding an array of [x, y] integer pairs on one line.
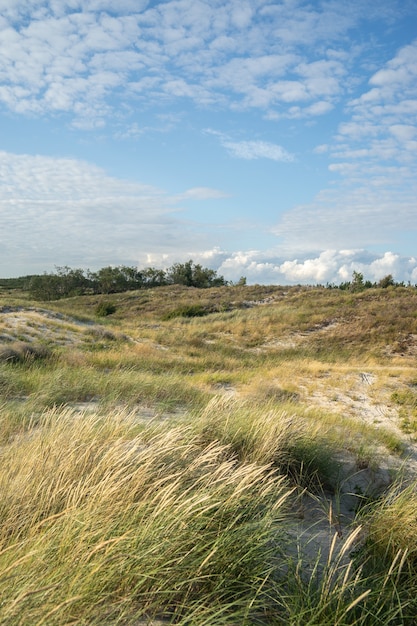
{"points": [[358, 283], [66, 282]]}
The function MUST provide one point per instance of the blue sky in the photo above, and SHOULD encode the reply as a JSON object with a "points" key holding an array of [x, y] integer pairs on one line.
{"points": [[275, 140]]}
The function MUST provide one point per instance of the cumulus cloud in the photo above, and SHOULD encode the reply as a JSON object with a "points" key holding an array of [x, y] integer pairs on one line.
{"points": [[329, 266], [95, 62], [70, 212]]}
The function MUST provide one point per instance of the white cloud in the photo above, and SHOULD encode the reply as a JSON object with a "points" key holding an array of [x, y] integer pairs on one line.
{"points": [[321, 149], [68, 212], [64, 211], [329, 266], [86, 56], [252, 149], [363, 216], [257, 150], [374, 156], [202, 193], [392, 85], [319, 108], [403, 132]]}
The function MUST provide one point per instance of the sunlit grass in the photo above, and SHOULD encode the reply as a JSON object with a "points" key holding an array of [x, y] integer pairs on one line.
{"points": [[173, 492], [109, 518], [102, 518]]}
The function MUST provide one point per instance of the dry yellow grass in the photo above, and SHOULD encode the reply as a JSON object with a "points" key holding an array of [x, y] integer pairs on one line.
{"points": [[166, 494]]}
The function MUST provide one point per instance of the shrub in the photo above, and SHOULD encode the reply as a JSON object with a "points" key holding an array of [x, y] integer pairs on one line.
{"points": [[387, 281], [188, 310], [105, 308], [21, 351]]}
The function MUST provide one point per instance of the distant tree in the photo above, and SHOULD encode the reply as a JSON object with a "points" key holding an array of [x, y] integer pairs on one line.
{"points": [[194, 275], [204, 277], [181, 274], [153, 277], [45, 287], [72, 282], [387, 281], [345, 286], [357, 283], [116, 279], [20, 282]]}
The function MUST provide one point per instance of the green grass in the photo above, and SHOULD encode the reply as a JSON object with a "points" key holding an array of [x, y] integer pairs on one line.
{"points": [[107, 519], [126, 523], [177, 493]]}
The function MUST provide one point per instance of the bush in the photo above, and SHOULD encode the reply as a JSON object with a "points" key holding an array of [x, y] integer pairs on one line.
{"points": [[105, 308], [387, 281], [188, 310], [18, 352]]}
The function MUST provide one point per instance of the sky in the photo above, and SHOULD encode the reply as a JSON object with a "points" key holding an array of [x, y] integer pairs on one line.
{"points": [[275, 140]]}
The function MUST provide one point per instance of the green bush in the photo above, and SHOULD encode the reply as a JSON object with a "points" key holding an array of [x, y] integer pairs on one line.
{"points": [[187, 310], [105, 308], [20, 351]]}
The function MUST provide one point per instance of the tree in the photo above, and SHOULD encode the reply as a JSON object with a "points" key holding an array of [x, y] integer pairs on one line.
{"points": [[116, 279], [153, 277], [45, 287], [64, 283], [357, 283], [387, 281], [181, 274], [194, 275], [72, 282]]}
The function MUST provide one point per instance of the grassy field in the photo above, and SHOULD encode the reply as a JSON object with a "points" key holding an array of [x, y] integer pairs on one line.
{"points": [[240, 455]]}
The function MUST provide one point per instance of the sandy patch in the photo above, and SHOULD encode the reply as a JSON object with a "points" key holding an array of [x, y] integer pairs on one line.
{"points": [[43, 326]]}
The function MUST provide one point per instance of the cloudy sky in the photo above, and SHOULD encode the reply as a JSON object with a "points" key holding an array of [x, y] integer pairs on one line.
{"points": [[272, 139]]}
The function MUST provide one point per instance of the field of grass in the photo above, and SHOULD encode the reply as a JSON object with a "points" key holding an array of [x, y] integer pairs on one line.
{"points": [[240, 455]]}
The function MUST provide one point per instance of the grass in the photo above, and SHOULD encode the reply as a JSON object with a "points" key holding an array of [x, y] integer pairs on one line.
{"points": [[122, 522], [108, 519], [180, 492], [268, 435]]}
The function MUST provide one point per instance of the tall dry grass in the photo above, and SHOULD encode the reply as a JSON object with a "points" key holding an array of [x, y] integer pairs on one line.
{"points": [[104, 520]]}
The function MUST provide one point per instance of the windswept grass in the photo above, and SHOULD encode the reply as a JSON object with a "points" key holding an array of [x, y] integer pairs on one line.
{"points": [[108, 519], [274, 436], [181, 493], [343, 592], [102, 519], [392, 527]]}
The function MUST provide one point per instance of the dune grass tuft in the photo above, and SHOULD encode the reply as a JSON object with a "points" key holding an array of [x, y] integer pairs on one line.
{"points": [[119, 519]]}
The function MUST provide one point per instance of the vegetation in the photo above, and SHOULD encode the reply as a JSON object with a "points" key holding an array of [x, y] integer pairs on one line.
{"points": [[228, 455], [67, 282], [358, 283], [105, 308]]}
